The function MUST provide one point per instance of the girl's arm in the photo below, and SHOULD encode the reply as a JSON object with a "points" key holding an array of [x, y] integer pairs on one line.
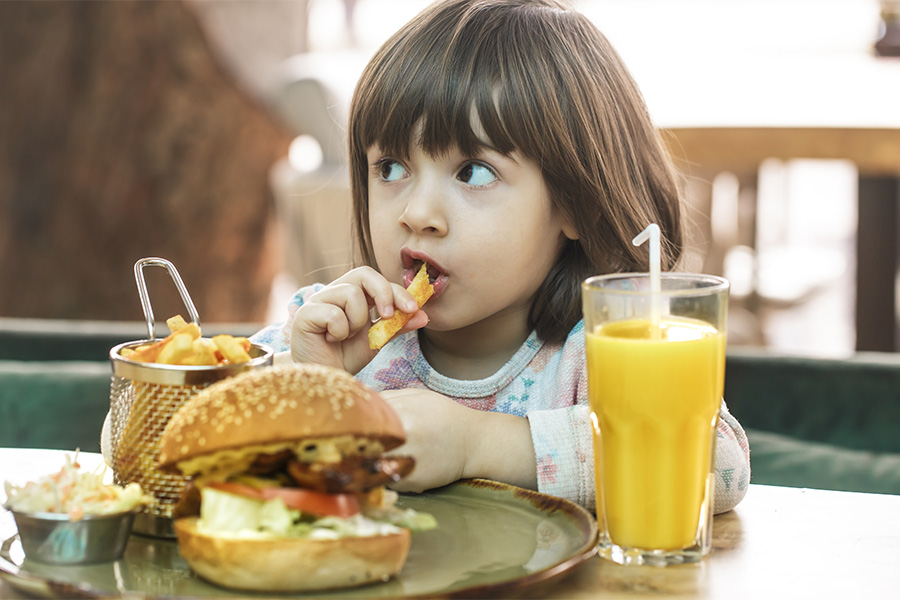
{"points": [[451, 442]]}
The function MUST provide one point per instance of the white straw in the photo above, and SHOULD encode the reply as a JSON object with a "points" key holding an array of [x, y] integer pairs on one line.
{"points": [[651, 233]]}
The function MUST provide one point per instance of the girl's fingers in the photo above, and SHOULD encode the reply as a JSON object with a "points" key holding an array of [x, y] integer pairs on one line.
{"points": [[342, 308], [405, 301], [322, 318], [387, 296], [353, 301], [418, 321], [382, 294]]}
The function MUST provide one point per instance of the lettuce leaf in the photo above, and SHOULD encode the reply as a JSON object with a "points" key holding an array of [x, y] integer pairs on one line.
{"points": [[239, 516], [224, 512]]}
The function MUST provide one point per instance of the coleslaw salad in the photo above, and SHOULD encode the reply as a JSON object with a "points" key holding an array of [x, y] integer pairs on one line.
{"points": [[75, 493]]}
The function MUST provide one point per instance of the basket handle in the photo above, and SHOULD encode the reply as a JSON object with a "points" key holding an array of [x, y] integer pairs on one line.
{"points": [[145, 297]]}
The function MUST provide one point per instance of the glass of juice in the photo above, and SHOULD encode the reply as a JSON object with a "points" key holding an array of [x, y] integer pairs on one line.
{"points": [[656, 371]]}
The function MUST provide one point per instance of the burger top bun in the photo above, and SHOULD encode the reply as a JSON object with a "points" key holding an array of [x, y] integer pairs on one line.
{"points": [[278, 404]]}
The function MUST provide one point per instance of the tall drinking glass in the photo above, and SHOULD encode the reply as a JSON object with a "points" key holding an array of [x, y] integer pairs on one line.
{"points": [[656, 372]]}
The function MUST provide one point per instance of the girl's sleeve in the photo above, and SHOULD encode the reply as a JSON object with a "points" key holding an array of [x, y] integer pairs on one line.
{"points": [[564, 449], [732, 462], [278, 335]]}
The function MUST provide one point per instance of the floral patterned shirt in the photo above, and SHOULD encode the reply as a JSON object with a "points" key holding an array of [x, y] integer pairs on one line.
{"points": [[545, 383]]}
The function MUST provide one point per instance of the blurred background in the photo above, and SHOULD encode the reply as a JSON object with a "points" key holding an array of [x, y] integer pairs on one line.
{"points": [[210, 133]]}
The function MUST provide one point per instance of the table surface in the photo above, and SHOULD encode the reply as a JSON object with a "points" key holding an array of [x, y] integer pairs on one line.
{"points": [[783, 542], [854, 91], [735, 112]]}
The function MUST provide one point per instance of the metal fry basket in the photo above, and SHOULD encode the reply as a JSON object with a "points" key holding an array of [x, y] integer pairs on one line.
{"points": [[144, 396]]}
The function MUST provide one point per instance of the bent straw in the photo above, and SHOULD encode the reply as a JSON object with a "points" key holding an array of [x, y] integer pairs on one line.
{"points": [[651, 233]]}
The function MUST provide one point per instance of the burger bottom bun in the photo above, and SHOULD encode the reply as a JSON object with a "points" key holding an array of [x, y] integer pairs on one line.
{"points": [[291, 564]]}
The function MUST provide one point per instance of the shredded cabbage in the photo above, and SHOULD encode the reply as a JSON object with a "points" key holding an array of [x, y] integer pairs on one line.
{"points": [[75, 493]]}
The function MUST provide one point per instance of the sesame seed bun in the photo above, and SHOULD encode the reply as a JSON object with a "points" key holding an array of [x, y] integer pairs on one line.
{"points": [[284, 565], [277, 404]]}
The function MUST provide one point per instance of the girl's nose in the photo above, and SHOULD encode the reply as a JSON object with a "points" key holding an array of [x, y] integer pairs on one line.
{"points": [[424, 214]]}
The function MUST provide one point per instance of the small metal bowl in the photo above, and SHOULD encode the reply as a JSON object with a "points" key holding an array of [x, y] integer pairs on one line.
{"points": [[54, 538]]}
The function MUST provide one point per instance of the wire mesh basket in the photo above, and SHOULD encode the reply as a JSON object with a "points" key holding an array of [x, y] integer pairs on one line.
{"points": [[144, 396]]}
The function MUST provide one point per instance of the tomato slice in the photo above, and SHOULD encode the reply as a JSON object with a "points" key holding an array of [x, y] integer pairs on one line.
{"points": [[239, 489], [316, 503]]}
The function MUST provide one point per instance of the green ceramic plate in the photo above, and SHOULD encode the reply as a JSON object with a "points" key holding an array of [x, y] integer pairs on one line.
{"points": [[491, 539]]}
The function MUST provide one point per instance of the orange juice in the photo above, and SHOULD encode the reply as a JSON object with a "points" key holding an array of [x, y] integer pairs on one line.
{"points": [[654, 401]]}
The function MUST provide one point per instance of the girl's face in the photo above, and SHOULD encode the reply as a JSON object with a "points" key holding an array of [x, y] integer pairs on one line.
{"points": [[484, 224]]}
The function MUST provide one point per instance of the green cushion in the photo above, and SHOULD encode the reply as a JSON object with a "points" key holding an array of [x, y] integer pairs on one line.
{"points": [[852, 403], [781, 460], [53, 404]]}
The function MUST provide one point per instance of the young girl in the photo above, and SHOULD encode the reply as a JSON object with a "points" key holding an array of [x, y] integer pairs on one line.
{"points": [[504, 144]]}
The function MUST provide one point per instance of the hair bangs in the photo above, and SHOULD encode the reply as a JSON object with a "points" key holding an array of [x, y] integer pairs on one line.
{"points": [[465, 86]]}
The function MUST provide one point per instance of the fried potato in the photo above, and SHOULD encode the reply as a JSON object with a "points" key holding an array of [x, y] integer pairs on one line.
{"points": [[186, 346], [176, 349], [176, 323], [203, 353], [147, 352], [171, 349], [231, 349], [382, 331]]}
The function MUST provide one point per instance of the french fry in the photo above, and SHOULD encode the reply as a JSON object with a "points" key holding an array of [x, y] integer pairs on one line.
{"points": [[186, 346], [176, 323], [204, 353], [382, 331], [177, 347], [152, 352], [191, 329], [147, 352], [231, 349], [245, 343]]}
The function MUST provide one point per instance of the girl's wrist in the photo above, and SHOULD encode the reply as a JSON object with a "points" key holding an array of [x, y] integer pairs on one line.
{"points": [[498, 446]]}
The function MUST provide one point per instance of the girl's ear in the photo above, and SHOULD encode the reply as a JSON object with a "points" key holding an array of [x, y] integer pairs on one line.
{"points": [[569, 231]]}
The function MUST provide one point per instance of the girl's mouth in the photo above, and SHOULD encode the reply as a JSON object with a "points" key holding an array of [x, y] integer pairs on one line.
{"points": [[412, 262]]}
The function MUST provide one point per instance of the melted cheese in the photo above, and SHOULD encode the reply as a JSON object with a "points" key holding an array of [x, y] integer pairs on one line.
{"points": [[218, 465]]}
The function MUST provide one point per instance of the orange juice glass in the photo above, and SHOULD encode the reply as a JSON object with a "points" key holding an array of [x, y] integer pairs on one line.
{"points": [[656, 372]]}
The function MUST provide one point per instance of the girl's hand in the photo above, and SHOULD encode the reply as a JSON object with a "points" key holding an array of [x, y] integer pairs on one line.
{"points": [[450, 442], [331, 327]]}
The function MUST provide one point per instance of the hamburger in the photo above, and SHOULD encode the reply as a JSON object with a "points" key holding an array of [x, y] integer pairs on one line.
{"points": [[288, 481]]}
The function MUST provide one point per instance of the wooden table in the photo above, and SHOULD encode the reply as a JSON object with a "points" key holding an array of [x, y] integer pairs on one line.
{"points": [[778, 543]]}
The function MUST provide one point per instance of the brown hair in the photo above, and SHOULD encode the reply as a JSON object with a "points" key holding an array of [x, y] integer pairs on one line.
{"points": [[542, 81]]}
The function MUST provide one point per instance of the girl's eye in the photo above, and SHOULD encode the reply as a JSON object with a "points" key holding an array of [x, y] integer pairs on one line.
{"points": [[390, 170], [477, 174]]}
